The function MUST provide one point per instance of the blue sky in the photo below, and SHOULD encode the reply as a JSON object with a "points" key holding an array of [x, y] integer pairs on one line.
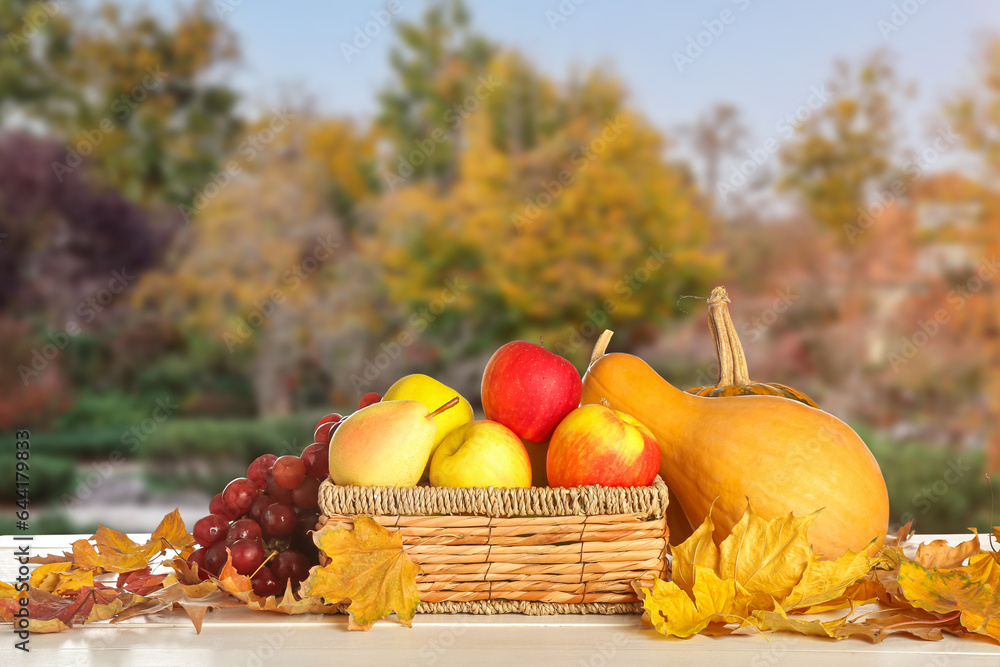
{"points": [[765, 60]]}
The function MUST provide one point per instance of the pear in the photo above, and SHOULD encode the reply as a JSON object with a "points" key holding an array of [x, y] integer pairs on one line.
{"points": [[385, 444]]}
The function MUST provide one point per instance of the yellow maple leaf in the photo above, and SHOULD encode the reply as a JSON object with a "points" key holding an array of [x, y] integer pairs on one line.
{"points": [[59, 579], [864, 591], [672, 612], [697, 549], [952, 591], [777, 620], [46, 577], [826, 580], [984, 567], [766, 558], [367, 565]]}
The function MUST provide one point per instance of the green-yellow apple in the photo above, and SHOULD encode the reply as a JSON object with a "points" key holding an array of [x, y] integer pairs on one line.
{"points": [[385, 444], [432, 393], [481, 453], [597, 445]]}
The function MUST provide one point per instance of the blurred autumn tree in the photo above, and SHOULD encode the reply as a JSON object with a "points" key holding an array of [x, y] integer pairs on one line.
{"points": [[486, 203], [716, 135], [268, 272], [845, 151], [976, 114], [436, 66], [107, 117], [140, 101], [556, 216]]}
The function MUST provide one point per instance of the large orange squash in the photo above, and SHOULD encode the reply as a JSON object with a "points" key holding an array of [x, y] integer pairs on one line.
{"points": [[782, 455]]}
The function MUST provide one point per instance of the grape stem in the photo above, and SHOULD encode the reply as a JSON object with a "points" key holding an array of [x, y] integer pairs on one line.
{"points": [[263, 563]]}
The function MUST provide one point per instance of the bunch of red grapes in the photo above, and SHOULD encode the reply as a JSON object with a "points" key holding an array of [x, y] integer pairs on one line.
{"points": [[273, 508]]}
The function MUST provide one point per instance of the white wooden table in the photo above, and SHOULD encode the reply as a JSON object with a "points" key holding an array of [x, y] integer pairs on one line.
{"points": [[236, 637]]}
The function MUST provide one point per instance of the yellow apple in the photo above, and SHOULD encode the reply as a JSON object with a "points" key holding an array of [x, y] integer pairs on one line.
{"points": [[432, 394], [481, 453]]}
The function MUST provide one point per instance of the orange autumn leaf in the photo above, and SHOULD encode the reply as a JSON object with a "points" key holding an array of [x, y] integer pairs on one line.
{"points": [[114, 551], [46, 577], [367, 565], [939, 554], [61, 578]]}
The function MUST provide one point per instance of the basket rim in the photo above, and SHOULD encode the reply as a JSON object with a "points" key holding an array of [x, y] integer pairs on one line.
{"points": [[533, 501]]}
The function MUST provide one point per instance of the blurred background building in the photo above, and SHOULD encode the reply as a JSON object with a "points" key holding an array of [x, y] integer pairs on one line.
{"points": [[220, 220]]}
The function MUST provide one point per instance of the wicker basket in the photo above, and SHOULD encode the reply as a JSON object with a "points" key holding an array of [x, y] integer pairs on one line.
{"points": [[530, 551]]}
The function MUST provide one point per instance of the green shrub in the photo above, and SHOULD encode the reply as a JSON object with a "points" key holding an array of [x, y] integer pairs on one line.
{"points": [[49, 477], [101, 411], [943, 490]]}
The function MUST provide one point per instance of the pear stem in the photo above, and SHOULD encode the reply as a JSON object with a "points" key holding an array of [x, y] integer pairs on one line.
{"points": [[450, 404]]}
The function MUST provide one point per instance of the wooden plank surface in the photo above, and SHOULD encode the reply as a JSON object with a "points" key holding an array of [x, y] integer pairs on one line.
{"points": [[237, 637]]}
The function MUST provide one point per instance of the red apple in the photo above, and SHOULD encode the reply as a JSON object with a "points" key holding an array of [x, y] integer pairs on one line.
{"points": [[529, 389], [597, 445]]}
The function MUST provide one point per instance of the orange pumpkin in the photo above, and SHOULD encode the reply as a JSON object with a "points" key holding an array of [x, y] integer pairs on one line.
{"points": [[734, 379]]}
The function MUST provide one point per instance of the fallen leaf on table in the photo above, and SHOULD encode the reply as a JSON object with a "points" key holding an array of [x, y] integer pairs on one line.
{"points": [[240, 587], [66, 557], [762, 572], [183, 572], [368, 566], [984, 567], [777, 620], [114, 551], [827, 580], [864, 591], [697, 549], [767, 558], [915, 622], [194, 599], [939, 554], [59, 579], [901, 536], [54, 613], [672, 612], [953, 592], [140, 582]]}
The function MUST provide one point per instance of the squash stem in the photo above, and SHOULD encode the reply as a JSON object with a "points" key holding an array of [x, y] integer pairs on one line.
{"points": [[728, 349]]}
